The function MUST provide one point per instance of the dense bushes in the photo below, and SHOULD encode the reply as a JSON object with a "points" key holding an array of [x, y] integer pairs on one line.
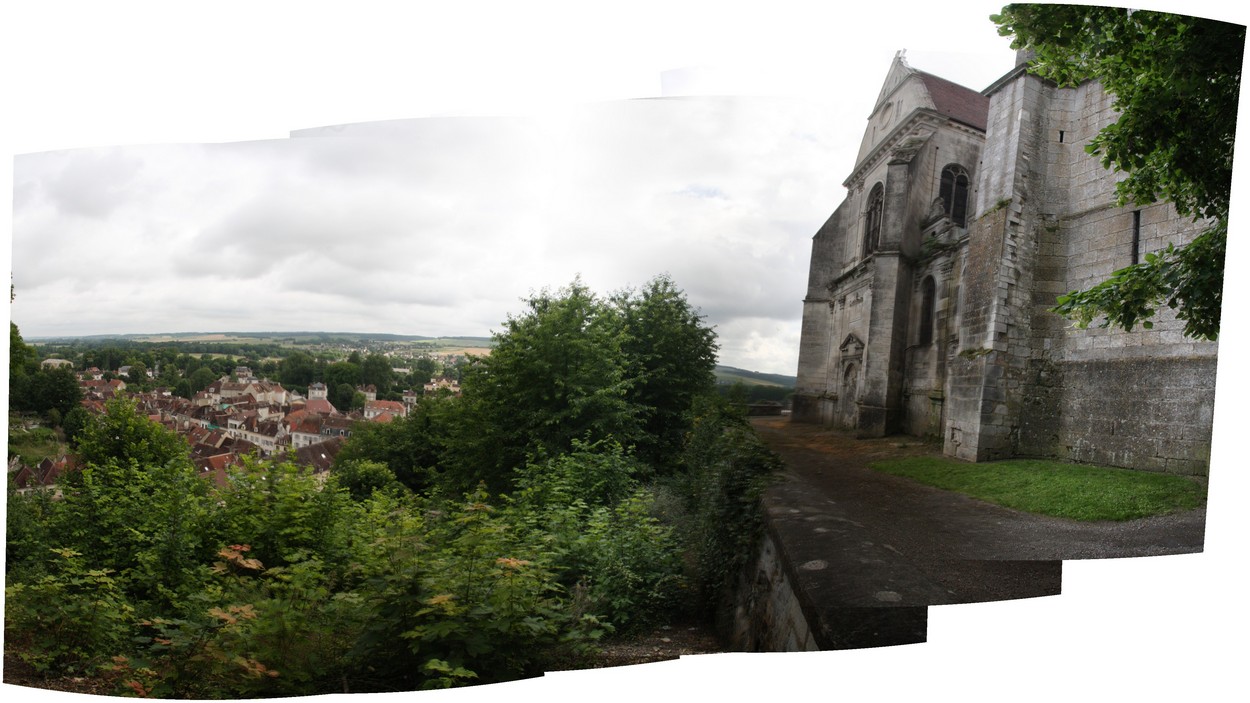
{"points": [[478, 540]]}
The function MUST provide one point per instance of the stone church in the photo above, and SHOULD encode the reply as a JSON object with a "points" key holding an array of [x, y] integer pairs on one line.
{"points": [[927, 307]]}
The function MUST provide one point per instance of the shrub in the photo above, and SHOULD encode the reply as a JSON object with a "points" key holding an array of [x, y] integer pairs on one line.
{"points": [[632, 563], [68, 620], [727, 468]]}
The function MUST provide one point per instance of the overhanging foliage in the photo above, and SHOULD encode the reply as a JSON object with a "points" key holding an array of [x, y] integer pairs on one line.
{"points": [[1175, 82]]}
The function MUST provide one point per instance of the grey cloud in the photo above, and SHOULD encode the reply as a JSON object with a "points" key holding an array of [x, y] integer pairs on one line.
{"points": [[92, 183], [442, 226]]}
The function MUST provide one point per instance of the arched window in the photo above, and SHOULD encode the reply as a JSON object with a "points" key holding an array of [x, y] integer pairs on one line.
{"points": [[872, 219], [954, 193], [928, 293]]}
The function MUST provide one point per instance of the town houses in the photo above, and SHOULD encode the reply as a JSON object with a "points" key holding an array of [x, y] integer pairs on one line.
{"points": [[238, 415]]}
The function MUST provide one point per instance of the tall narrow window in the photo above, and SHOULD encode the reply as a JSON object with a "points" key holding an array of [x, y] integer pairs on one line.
{"points": [[928, 293], [954, 193], [1136, 236], [872, 219]]}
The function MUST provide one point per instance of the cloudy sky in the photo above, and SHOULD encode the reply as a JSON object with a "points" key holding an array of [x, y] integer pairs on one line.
{"points": [[439, 226]]}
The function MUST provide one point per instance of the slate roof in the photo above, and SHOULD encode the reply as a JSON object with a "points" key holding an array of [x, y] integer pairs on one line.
{"points": [[320, 457], [957, 102]]}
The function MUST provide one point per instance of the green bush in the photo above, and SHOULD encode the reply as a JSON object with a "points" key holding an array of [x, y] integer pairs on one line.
{"points": [[633, 568], [253, 632], [475, 602], [69, 620], [727, 467]]}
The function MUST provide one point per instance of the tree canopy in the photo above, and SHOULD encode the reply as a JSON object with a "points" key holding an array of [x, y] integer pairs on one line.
{"points": [[36, 389], [574, 368], [671, 356], [1175, 81]]}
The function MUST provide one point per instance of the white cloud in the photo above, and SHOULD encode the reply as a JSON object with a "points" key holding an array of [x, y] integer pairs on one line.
{"points": [[398, 227]]}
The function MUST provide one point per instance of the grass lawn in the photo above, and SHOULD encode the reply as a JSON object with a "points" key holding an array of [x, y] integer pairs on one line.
{"points": [[1074, 491], [36, 444]]}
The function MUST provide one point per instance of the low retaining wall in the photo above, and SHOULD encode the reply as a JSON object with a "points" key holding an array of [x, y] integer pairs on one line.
{"points": [[790, 598], [767, 615]]}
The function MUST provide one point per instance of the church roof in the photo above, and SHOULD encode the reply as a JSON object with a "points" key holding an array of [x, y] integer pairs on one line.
{"points": [[955, 101]]}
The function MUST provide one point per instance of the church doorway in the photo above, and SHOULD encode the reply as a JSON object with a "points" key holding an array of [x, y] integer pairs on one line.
{"points": [[848, 408]]}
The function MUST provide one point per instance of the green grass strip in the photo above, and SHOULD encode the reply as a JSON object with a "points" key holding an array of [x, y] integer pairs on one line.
{"points": [[1074, 491]]}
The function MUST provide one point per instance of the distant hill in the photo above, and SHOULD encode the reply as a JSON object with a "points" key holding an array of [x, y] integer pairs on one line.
{"points": [[730, 375], [272, 337]]}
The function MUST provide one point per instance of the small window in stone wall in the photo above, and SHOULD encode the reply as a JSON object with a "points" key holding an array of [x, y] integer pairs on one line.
{"points": [[928, 295], [1136, 253], [954, 193], [872, 219]]}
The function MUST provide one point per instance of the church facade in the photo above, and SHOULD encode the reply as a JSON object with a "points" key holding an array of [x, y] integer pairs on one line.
{"points": [[927, 308]]}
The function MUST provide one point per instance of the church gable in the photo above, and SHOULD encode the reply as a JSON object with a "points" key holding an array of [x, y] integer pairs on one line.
{"points": [[899, 72], [901, 95], [907, 90]]}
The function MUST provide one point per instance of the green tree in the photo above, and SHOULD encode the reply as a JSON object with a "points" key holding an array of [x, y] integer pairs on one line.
{"points": [[21, 354], [413, 447], [122, 435], [74, 422], [137, 504], [138, 374], [341, 373], [362, 477], [43, 390], [376, 370], [423, 370], [343, 396], [671, 356], [23, 362], [280, 510], [297, 369], [555, 374], [202, 378], [1175, 81]]}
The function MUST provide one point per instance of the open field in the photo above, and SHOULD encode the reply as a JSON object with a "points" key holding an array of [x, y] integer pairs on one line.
{"points": [[729, 374]]}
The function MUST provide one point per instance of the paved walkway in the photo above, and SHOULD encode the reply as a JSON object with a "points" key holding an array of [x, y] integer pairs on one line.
{"points": [[860, 539]]}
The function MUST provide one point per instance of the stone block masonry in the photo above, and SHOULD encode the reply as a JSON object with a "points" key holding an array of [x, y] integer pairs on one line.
{"points": [[1144, 413]]}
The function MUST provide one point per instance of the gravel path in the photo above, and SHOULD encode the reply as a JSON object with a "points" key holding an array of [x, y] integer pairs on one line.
{"points": [[940, 546]]}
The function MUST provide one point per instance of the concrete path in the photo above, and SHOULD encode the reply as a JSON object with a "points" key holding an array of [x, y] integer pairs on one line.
{"points": [[860, 540]]}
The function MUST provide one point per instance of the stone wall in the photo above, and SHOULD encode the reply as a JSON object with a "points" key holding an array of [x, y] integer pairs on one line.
{"points": [[1145, 413], [768, 616], [1140, 398]]}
